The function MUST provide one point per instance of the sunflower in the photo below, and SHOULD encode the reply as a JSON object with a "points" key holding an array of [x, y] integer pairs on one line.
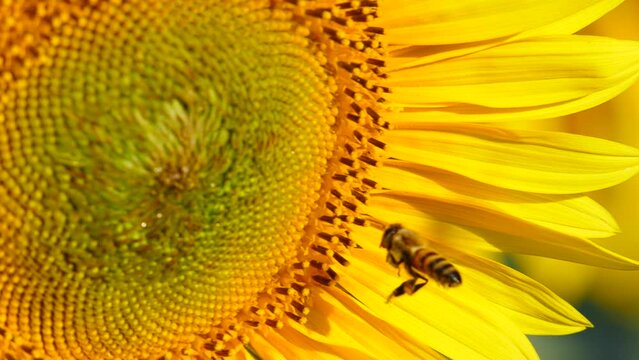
{"points": [[192, 179]]}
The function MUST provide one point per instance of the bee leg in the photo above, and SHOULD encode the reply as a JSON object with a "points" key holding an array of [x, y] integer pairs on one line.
{"points": [[419, 286], [407, 287], [399, 266], [399, 291], [389, 259]]}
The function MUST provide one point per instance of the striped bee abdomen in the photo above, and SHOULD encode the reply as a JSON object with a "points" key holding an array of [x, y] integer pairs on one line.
{"points": [[436, 267]]}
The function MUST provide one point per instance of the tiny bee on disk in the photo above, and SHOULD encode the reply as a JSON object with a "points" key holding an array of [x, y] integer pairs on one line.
{"points": [[404, 247]]}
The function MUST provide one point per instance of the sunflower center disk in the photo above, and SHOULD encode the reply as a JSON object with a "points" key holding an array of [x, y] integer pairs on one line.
{"points": [[160, 161]]}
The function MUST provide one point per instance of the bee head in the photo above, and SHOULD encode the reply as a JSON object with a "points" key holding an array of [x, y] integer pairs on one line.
{"points": [[390, 231]]}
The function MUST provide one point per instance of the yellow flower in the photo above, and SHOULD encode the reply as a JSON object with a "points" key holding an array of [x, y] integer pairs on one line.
{"points": [[190, 179]]}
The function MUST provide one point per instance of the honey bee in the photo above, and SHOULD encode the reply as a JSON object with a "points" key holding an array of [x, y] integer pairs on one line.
{"points": [[404, 247]]}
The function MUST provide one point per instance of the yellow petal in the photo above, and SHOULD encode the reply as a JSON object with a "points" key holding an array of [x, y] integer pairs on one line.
{"points": [[504, 232], [572, 215], [381, 340], [478, 114], [405, 57], [573, 22], [453, 322], [266, 350], [533, 72], [275, 345], [532, 306], [415, 55], [454, 22], [524, 160], [309, 348], [456, 235], [573, 282], [328, 334], [242, 355]]}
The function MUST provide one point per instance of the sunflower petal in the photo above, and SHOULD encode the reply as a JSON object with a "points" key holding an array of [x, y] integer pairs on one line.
{"points": [[406, 57], [573, 22], [266, 350], [328, 335], [456, 235], [507, 233], [439, 21], [416, 55], [307, 346], [469, 113], [523, 160], [572, 215], [294, 345], [455, 325], [382, 340], [533, 72], [535, 308]]}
